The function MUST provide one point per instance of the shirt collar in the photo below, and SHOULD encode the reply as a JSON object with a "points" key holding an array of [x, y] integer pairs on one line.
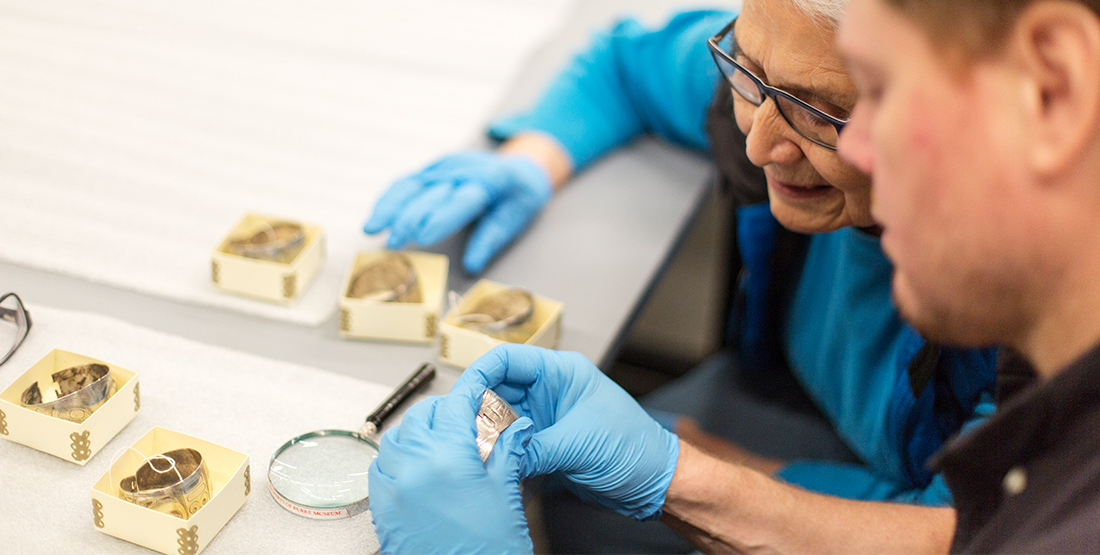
{"points": [[1029, 422]]}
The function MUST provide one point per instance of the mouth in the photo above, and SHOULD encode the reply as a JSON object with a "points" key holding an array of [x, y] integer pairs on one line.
{"points": [[799, 191]]}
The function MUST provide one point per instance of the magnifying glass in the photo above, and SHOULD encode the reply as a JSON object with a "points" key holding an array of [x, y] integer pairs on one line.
{"points": [[323, 474]]}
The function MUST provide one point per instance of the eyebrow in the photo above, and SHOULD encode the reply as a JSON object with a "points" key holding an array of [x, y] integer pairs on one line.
{"points": [[811, 95], [805, 93]]}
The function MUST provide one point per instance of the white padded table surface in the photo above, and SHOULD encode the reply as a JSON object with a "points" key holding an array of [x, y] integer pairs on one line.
{"points": [[241, 401], [135, 133], [597, 248]]}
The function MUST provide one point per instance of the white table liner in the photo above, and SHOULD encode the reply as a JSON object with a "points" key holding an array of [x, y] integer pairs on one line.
{"points": [[135, 133], [238, 400]]}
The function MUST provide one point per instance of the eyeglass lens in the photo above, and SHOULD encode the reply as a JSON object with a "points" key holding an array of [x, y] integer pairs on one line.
{"points": [[808, 124], [13, 325]]}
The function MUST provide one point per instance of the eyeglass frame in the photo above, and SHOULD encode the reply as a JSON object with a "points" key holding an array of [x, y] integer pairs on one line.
{"points": [[768, 91], [11, 314]]}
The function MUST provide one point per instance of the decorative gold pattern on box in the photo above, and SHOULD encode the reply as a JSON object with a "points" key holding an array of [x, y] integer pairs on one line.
{"points": [[3, 423], [81, 445], [214, 271], [137, 397], [97, 513], [290, 284], [345, 319], [248, 480], [189, 540], [429, 325], [444, 346]]}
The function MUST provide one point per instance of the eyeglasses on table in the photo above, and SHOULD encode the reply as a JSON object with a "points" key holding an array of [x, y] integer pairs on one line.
{"points": [[15, 323]]}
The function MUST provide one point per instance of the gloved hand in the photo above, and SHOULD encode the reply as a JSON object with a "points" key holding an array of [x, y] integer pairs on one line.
{"points": [[667, 420], [505, 191], [587, 427], [430, 492]]}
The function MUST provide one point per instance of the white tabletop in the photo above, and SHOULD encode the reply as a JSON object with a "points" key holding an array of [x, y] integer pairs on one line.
{"points": [[598, 247], [633, 206]]}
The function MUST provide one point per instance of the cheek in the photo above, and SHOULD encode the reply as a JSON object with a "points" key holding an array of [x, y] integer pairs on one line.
{"points": [[907, 192], [908, 157], [852, 182], [936, 194]]}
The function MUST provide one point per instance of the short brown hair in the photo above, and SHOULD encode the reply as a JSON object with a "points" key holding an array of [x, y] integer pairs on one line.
{"points": [[977, 26]]}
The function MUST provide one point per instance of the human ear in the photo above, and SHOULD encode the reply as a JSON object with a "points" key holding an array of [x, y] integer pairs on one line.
{"points": [[1058, 43]]}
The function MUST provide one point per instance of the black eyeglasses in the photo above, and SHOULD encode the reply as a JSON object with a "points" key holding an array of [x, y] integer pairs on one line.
{"points": [[813, 124], [15, 322]]}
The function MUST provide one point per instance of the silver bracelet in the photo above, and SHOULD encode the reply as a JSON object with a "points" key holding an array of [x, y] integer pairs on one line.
{"points": [[73, 393], [175, 483], [389, 278]]}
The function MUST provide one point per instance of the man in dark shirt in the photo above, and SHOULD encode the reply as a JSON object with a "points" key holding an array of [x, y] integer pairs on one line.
{"points": [[980, 122]]}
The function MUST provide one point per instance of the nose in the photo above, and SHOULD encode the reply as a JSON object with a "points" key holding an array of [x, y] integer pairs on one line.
{"points": [[770, 139], [855, 141]]}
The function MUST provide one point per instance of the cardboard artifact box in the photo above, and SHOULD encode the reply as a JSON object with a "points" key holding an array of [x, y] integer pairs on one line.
{"points": [[275, 279], [413, 322], [459, 346], [228, 474], [73, 441]]}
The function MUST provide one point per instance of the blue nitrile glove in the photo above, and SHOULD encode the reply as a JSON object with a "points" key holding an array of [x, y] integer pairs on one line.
{"points": [[587, 427], [430, 492], [505, 191], [667, 420]]}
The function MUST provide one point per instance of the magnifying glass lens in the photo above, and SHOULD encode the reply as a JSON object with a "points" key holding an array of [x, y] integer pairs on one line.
{"points": [[324, 471]]}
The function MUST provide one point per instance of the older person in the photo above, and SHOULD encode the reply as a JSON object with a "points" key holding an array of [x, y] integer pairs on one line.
{"points": [[817, 306], [980, 120]]}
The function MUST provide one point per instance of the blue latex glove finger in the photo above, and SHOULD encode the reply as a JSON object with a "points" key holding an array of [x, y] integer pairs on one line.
{"points": [[430, 491], [407, 189], [421, 412], [404, 191], [510, 215], [508, 364], [407, 225], [456, 415], [587, 427], [462, 163], [499, 227], [511, 446], [512, 394], [468, 202], [512, 187], [417, 417], [393, 200]]}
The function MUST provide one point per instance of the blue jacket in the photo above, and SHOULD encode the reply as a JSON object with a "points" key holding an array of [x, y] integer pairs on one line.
{"points": [[633, 81], [897, 407]]}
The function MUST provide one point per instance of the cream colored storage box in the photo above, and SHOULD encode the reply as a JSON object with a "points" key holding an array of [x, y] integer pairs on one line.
{"points": [[280, 279], [73, 441], [414, 322], [460, 346], [230, 479]]}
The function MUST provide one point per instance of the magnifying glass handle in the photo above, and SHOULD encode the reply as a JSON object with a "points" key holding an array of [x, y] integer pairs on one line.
{"points": [[417, 380]]}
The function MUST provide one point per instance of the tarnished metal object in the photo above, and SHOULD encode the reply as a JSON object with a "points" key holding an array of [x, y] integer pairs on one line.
{"points": [[389, 278], [493, 418]]}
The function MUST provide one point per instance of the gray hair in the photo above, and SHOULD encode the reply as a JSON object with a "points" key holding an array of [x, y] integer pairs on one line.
{"points": [[828, 12]]}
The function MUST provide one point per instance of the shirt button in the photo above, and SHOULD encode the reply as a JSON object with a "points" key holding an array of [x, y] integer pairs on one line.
{"points": [[1015, 480]]}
